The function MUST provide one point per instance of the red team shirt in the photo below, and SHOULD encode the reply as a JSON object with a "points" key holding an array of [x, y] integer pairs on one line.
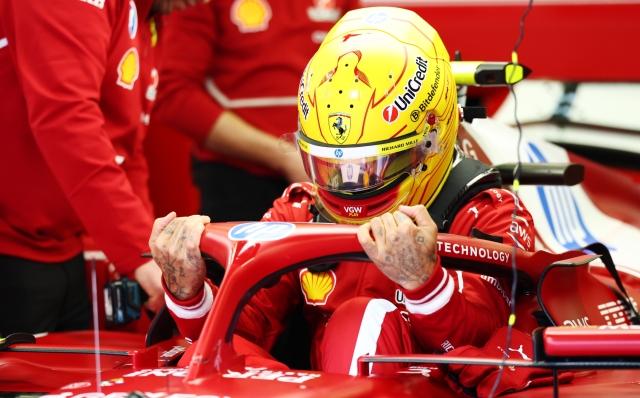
{"points": [[451, 309], [246, 56], [77, 86]]}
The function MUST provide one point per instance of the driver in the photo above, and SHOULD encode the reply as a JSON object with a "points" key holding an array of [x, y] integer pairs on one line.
{"points": [[378, 119]]}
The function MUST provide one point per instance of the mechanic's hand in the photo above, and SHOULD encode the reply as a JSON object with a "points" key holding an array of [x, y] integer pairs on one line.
{"points": [[148, 276], [175, 244], [405, 252]]}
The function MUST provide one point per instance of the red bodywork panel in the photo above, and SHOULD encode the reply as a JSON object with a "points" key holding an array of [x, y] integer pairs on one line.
{"points": [[605, 341], [216, 370]]}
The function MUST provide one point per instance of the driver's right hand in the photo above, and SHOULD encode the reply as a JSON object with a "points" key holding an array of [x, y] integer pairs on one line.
{"points": [[175, 245]]}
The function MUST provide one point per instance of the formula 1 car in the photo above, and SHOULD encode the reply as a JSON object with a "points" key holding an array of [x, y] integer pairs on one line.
{"points": [[605, 359], [252, 256]]}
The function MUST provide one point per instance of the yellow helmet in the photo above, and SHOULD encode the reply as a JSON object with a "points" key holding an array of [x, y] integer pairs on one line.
{"points": [[378, 115]]}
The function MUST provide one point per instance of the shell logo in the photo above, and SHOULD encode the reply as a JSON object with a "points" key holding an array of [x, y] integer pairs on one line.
{"points": [[128, 69], [317, 286], [251, 15]]}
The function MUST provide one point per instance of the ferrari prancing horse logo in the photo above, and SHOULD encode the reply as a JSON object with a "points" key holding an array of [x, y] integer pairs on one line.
{"points": [[340, 126]]}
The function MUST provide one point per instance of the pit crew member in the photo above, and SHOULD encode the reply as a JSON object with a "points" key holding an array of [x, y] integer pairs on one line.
{"points": [[228, 77], [77, 83]]}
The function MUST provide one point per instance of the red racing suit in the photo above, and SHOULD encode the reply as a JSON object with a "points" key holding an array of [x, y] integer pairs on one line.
{"points": [[77, 83], [246, 56], [451, 309]]}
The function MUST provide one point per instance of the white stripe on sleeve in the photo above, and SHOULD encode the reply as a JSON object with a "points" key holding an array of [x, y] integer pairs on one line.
{"points": [[426, 307], [196, 311]]}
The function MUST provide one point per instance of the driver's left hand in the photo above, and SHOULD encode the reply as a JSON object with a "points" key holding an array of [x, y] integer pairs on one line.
{"points": [[403, 245]]}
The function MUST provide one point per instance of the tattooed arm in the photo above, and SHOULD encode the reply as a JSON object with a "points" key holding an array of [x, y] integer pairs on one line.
{"points": [[175, 244], [403, 250]]}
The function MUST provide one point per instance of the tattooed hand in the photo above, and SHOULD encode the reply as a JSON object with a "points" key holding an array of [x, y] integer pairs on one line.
{"points": [[405, 252], [175, 244]]}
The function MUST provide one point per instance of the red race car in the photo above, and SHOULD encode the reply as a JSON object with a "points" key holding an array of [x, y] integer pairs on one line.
{"points": [[559, 285]]}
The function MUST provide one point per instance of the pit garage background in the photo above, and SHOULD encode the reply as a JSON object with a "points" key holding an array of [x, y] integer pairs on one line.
{"points": [[565, 42]]}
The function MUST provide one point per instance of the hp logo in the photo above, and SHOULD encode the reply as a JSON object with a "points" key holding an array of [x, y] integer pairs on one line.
{"points": [[338, 153], [377, 18], [261, 231]]}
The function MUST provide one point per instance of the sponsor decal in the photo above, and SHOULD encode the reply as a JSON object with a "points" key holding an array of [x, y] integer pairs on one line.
{"points": [[128, 69], [473, 251], [304, 106], [493, 281], [616, 312], [317, 286], [415, 115], [584, 321], [265, 374], [340, 126], [399, 297], [251, 15], [152, 90], [261, 231], [164, 372], [432, 93], [519, 231], [72, 386], [112, 382], [133, 20], [447, 346], [619, 327], [474, 210], [511, 368], [318, 36], [97, 3], [418, 370], [376, 18], [172, 352], [390, 114], [352, 211], [338, 152], [121, 394], [397, 147], [324, 11], [414, 85], [521, 352]]}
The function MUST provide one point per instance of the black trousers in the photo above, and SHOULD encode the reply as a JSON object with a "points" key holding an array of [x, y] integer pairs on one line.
{"points": [[231, 194], [43, 297]]}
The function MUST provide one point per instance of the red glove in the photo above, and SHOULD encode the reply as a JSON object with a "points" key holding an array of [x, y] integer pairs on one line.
{"points": [[478, 380]]}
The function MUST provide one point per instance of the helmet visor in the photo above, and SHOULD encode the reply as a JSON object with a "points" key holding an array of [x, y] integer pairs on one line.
{"points": [[361, 167]]}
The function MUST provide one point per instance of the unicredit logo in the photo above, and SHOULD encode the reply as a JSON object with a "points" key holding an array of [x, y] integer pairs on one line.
{"points": [[414, 85]]}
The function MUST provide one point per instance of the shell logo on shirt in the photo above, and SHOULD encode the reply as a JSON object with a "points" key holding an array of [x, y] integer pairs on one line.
{"points": [[251, 15], [128, 69], [317, 286]]}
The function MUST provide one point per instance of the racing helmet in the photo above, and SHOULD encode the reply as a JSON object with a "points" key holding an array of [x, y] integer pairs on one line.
{"points": [[378, 115]]}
